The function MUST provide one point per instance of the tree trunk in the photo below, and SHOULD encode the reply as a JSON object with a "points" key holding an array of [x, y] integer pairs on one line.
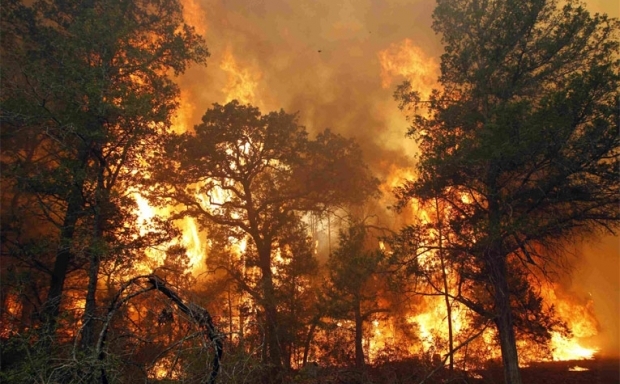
{"points": [[51, 307], [496, 262], [230, 315], [309, 338], [242, 315], [96, 250], [446, 287], [359, 350], [273, 346], [503, 320], [274, 354], [88, 319], [448, 309]]}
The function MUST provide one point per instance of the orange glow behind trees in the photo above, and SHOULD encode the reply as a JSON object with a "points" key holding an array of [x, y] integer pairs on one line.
{"points": [[526, 125], [268, 173], [409, 61], [242, 219]]}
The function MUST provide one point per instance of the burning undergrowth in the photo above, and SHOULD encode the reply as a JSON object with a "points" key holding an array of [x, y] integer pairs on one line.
{"points": [[312, 270]]}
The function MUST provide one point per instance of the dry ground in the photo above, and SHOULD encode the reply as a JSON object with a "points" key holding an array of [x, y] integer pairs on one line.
{"points": [[600, 371]]}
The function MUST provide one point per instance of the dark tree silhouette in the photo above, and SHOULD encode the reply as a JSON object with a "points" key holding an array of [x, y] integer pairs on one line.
{"points": [[255, 175], [521, 142]]}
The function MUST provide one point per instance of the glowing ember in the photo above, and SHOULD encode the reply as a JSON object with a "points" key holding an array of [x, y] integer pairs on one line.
{"points": [[165, 369], [12, 311], [577, 368]]}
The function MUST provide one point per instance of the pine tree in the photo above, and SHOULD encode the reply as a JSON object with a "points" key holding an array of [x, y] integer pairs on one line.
{"points": [[521, 141]]}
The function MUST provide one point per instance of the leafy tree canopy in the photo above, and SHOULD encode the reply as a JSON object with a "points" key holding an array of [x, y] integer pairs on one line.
{"points": [[521, 141]]}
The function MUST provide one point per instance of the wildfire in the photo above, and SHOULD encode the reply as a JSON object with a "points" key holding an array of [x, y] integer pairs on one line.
{"points": [[430, 318], [165, 368], [580, 320], [396, 177], [381, 338], [242, 82], [565, 349], [430, 324], [577, 368], [181, 122], [145, 212], [407, 60], [241, 85], [398, 61], [195, 16], [191, 241]]}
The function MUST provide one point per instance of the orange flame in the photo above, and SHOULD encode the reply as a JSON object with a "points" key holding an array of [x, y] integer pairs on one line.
{"points": [[242, 82], [192, 242], [191, 238], [181, 122], [580, 320], [195, 16], [577, 368], [407, 60]]}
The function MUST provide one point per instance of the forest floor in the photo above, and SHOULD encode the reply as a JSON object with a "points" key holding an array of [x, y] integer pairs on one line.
{"points": [[599, 371]]}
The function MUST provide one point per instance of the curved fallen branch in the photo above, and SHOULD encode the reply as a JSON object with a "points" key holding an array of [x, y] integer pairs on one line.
{"points": [[198, 314]]}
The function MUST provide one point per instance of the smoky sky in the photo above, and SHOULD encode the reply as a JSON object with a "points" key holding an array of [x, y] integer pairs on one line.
{"points": [[316, 58]]}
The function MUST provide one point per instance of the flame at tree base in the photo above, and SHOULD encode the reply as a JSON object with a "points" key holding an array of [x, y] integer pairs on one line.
{"points": [[565, 349], [429, 327]]}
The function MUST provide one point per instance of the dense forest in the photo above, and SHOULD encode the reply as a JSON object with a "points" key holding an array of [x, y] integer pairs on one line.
{"points": [[251, 249]]}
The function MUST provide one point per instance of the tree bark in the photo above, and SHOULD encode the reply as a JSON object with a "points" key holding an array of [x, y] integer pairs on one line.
{"points": [[309, 338], [88, 319], [51, 308], [503, 321], [448, 306], [359, 323], [445, 285], [274, 354], [90, 308], [61, 264], [496, 262]]}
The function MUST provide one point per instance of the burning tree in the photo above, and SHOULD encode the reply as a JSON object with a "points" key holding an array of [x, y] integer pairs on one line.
{"points": [[355, 283], [521, 143], [254, 176], [85, 92]]}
